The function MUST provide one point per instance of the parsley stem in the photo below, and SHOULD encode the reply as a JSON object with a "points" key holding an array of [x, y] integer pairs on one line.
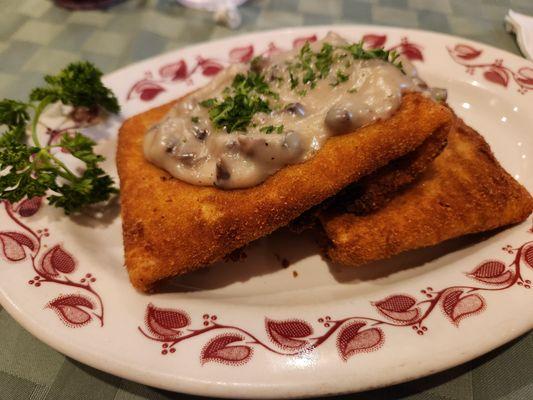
{"points": [[71, 174], [46, 150], [38, 111]]}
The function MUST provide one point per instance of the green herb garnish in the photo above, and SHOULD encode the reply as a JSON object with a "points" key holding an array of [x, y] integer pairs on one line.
{"points": [[341, 78], [80, 85], [195, 120], [209, 102], [248, 95], [293, 80], [311, 66], [360, 53], [31, 169], [13, 113], [324, 60], [271, 129]]}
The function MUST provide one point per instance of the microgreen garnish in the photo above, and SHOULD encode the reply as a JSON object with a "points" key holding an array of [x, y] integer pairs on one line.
{"points": [[29, 169]]}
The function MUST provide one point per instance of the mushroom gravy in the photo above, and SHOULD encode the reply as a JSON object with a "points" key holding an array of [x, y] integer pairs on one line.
{"points": [[253, 119]]}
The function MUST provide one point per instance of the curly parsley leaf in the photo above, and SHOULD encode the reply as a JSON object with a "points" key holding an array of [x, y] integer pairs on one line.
{"points": [[79, 84], [81, 147], [29, 169], [93, 186], [17, 167], [13, 113]]}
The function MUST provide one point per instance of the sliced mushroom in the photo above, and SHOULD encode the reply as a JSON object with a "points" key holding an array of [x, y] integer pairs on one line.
{"points": [[200, 133], [170, 145], [339, 120], [292, 141], [296, 109], [187, 158], [258, 64], [249, 145], [222, 172]]}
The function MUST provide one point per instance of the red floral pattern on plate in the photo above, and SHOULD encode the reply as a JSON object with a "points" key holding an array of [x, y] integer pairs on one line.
{"points": [[151, 85], [354, 334], [409, 50], [289, 334], [51, 264], [495, 72]]}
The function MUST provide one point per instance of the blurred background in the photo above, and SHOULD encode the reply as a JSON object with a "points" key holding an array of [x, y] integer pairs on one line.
{"points": [[37, 36]]}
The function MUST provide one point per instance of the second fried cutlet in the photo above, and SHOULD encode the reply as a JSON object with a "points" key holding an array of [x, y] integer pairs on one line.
{"points": [[375, 190], [464, 191]]}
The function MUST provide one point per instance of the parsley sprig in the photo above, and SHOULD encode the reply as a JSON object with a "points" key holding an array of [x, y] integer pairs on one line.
{"points": [[29, 168], [247, 96]]}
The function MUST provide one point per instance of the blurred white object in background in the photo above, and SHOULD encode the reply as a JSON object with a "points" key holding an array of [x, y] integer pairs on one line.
{"points": [[228, 16], [211, 5], [226, 12], [522, 26]]}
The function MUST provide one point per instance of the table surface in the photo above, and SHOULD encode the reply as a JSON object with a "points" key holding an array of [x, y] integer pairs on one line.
{"points": [[36, 37]]}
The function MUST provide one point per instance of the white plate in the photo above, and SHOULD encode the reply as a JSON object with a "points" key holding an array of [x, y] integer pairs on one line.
{"points": [[246, 329]]}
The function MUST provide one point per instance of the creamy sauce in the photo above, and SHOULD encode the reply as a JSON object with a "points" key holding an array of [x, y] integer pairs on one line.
{"points": [[354, 93]]}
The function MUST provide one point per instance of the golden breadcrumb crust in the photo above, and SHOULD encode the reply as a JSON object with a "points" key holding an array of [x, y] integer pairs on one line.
{"points": [[171, 227], [464, 191], [375, 190]]}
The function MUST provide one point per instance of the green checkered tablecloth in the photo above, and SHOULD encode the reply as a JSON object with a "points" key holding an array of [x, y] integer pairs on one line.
{"points": [[36, 37]]}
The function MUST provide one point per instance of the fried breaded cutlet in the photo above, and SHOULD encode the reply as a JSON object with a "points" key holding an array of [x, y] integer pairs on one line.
{"points": [[375, 190], [171, 227], [464, 191]]}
